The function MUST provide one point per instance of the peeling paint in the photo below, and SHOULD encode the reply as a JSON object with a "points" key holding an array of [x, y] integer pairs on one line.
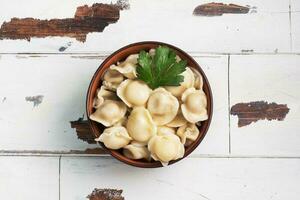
{"points": [[4, 99], [258, 110], [83, 130], [106, 194], [37, 100], [63, 48], [218, 9], [86, 20]]}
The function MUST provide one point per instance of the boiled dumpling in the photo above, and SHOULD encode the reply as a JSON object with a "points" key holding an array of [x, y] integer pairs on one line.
{"points": [[133, 92], [163, 130], [188, 82], [109, 112], [115, 137], [112, 79], [194, 105], [163, 106], [198, 79], [140, 125], [103, 94], [128, 67], [165, 148], [178, 121], [188, 133], [136, 150]]}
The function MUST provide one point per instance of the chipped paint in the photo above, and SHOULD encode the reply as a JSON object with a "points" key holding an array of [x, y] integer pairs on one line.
{"points": [[247, 50], [4, 99], [36, 100], [63, 48], [83, 130], [106, 194], [258, 110], [218, 9], [86, 20]]}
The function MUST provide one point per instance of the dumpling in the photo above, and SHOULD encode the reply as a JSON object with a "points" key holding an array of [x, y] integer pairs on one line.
{"points": [[198, 79], [188, 82], [165, 148], [178, 121], [136, 150], [121, 122], [194, 105], [112, 79], [128, 67], [152, 52], [115, 137], [188, 133], [133, 92], [109, 112], [103, 94], [140, 125], [163, 130], [163, 106]]}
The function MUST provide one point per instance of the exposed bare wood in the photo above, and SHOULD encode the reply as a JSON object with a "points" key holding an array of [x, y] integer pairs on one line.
{"points": [[218, 9], [83, 130], [87, 19], [258, 110], [106, 194]]}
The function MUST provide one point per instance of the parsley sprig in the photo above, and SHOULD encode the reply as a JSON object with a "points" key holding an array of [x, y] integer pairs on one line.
{"points": [[160, 70]]}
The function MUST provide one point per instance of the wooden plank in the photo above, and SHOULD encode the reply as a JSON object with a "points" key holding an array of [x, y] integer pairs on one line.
{"points": [[193, 178], [295, 28], [29, 178], [57, 85], [172, 23], [271, 79]]}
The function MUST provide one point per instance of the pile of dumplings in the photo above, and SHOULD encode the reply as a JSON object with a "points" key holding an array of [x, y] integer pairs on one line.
{"points": [[144, 123]]}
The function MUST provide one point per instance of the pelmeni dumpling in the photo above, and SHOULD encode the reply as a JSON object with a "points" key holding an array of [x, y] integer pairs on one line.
{"points": [[112, 79], [178, 121], [109, 112], [165, 148], [115, 137], [163, 106], [194, 105], [140, 125], [103, 94], [163, 130], [136, 150], [128, 67], [133, 92], [188, 82], [198, 79], [188, 133]]}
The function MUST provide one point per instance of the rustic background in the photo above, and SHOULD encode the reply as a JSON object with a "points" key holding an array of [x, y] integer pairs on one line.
{"points": [[250, 52]]}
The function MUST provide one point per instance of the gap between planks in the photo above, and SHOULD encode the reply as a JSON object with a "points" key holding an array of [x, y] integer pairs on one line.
{"points": [[61, 155]]}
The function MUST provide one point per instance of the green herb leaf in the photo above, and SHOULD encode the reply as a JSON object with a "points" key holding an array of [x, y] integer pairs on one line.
{"points": [[162, 69]]}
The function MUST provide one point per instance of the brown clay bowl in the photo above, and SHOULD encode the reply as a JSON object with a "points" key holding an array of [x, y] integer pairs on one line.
{"points": [[120, 55]]}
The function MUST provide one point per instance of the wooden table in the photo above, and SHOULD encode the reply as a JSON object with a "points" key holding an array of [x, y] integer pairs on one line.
{"points": [[250, 56]]}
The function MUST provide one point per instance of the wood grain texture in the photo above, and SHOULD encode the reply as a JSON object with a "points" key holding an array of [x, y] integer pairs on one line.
{"points": [[83, 130], [105, 194], [86, 20], [160, 21], [258, 110], [29, 178], [195, 178], [270, 78], [218, 9]]}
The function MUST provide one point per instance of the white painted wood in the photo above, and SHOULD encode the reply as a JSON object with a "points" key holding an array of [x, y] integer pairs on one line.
{"points": [[63, 80], [29, 178], [270, 78], [217, 139], [295, 27], [163, 21], [194, 178]]}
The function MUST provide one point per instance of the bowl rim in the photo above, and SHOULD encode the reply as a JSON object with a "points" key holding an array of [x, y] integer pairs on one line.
{"points": [[155, 164]]}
